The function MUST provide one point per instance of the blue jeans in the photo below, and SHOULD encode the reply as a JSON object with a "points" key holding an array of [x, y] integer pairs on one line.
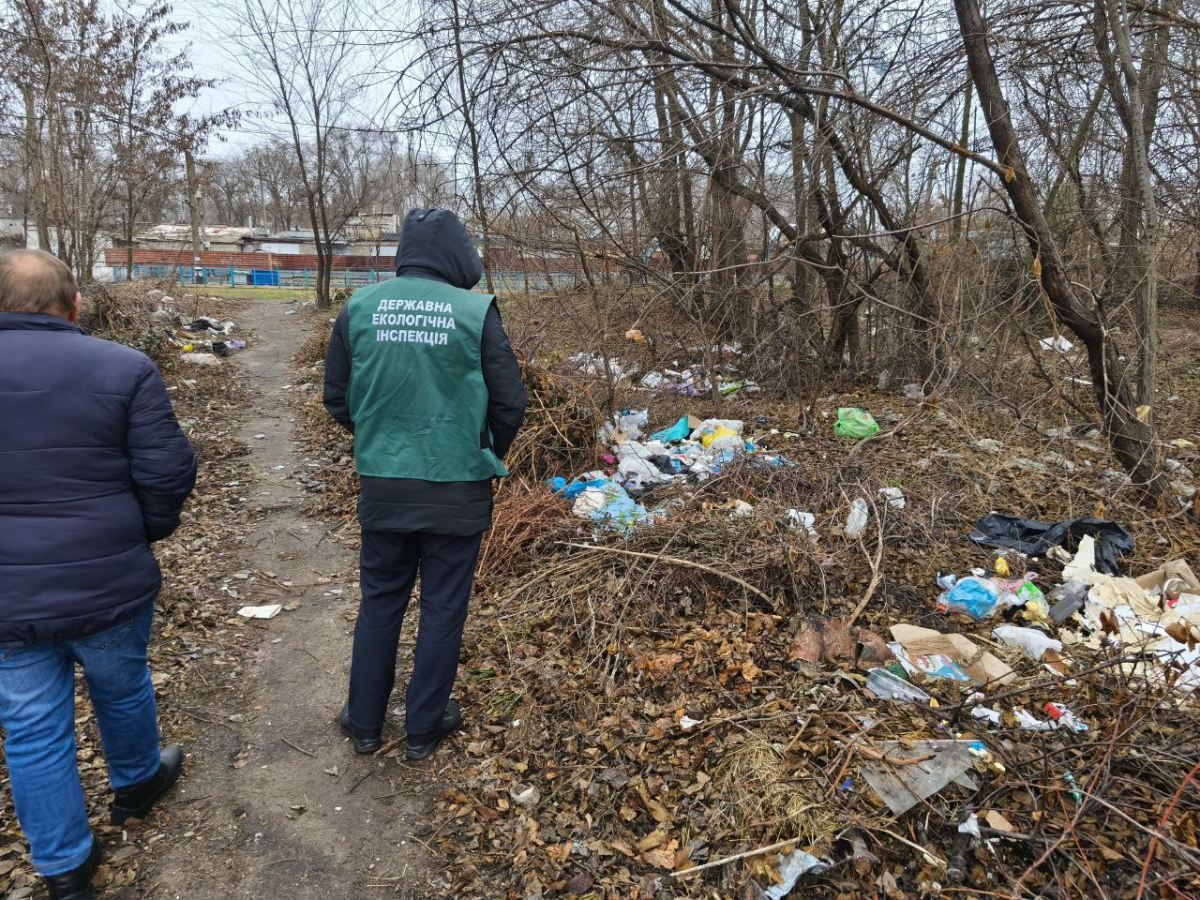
{"points": [[37, 710]]}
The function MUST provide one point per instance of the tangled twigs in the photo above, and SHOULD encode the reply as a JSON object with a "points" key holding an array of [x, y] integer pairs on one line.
{"points": [[523, 514], [670, 560], [1154, 840], [759, 851], [876, 577]]}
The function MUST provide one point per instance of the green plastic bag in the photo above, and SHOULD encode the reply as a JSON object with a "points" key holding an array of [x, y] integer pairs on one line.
{"points": [[855, 423]]}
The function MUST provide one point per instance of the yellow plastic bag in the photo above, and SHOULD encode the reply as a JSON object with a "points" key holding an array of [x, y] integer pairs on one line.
{"points": [[721, 432]]}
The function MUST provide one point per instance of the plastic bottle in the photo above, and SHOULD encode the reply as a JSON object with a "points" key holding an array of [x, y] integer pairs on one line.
{"points": [[885, 685]]}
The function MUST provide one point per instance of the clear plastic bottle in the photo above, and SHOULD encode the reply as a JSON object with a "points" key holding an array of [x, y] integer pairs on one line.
{"points": [[887, 686]]}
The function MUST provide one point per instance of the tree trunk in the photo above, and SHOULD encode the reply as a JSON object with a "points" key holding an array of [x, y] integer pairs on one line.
{"points": [[33, 150], [1196, 282], [128, 232], [960, 174], [473, 139], [1070, 162], [193, 190], [1143, 241], [1131, 439]]}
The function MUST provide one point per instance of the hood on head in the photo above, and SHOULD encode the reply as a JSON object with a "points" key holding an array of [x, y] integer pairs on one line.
{"points": [[435, 245]]}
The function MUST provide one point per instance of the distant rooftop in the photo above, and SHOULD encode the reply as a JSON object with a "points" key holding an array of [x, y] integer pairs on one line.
{"points": [[182, 234]]}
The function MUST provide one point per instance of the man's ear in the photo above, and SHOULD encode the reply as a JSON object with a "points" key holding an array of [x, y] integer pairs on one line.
{"points": [[75, 307]]}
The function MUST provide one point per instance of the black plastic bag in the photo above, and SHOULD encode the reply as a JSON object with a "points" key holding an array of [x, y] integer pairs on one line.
{"points": [[1035, 538]]}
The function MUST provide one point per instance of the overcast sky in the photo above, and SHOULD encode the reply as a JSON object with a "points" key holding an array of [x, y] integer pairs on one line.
{"points": [[215, 56], [211, 59]]}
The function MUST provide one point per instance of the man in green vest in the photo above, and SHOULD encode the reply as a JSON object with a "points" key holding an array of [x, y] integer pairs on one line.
{"points": [[420, 371]]}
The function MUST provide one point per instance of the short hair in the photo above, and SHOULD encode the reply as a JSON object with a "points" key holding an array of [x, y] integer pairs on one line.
{"points": [[33, 281]]}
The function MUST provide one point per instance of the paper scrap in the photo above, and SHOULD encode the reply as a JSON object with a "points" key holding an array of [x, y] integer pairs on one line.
{"points": [[1084, 562], [996, 820], [270, 611], [982, 666]]}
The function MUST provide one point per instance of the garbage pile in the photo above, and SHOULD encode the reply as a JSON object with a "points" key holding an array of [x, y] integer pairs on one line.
{"points": [[687, 380], [681, 732], [689, 449], [979, 708], [205, 341], [703, 671]]}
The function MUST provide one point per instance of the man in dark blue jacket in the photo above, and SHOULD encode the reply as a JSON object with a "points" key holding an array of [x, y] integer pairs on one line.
{"points": [[420, 370], [93, 468]]}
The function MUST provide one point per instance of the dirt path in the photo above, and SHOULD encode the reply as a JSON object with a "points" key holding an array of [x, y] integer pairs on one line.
{"points": [[274, 802]]}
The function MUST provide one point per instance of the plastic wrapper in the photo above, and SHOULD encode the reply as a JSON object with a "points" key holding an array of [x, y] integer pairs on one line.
{"points": [[971, 596], [853, 422], [1032, 642], [888, 686], [711, 426], [856, 522]]}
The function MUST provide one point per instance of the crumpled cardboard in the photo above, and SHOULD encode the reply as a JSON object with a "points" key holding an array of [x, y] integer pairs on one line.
{"points": [[1137, 616], [1177, 568], [984, 667]]}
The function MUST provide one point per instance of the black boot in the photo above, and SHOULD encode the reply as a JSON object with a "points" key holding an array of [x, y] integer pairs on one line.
{"points": [[76, 884], [421, 745], [137, 801], [362, 741]]}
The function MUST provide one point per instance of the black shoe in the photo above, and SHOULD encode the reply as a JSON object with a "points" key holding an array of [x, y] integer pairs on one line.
{"points": [[137, 801], [76, 884], [362, 741], [421, 745]]}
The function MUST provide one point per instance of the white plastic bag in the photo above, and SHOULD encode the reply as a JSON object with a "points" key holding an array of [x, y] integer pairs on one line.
{"points": [[856, 522], [643, 451], [624, 427], [639, 472], [798, 519], [1033, 642]]}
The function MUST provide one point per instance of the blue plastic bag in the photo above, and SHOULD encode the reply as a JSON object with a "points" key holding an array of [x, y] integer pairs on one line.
{"points": [[971, 596], [622, 512], [614, 509], [579, 485], [677, 432]]}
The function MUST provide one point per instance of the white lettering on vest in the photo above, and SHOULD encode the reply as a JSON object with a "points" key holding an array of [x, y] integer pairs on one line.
{"points": [[396, 304], [413, 315], [445, 322], [434, 338]]}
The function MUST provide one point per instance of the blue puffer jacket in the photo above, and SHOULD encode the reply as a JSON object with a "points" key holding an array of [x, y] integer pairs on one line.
{"points": [[93, 467]]}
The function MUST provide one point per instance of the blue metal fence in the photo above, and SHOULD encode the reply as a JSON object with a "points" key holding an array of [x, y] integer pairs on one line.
{"points": [[307, 278]]}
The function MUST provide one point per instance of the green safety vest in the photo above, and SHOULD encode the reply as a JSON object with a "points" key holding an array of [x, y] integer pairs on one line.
{"points": [[417, 394]]}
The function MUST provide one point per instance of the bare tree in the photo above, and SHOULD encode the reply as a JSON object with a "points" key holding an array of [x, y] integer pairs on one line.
{"points": [[1132, 438], [303, 59], [97, 95]]}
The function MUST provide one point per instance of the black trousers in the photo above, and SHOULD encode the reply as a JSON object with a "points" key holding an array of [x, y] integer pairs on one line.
{"points": [[389, 566]]}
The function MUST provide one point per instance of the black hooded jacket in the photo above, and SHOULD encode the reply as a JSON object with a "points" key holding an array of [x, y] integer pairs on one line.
{"points": [[435, 245]]}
